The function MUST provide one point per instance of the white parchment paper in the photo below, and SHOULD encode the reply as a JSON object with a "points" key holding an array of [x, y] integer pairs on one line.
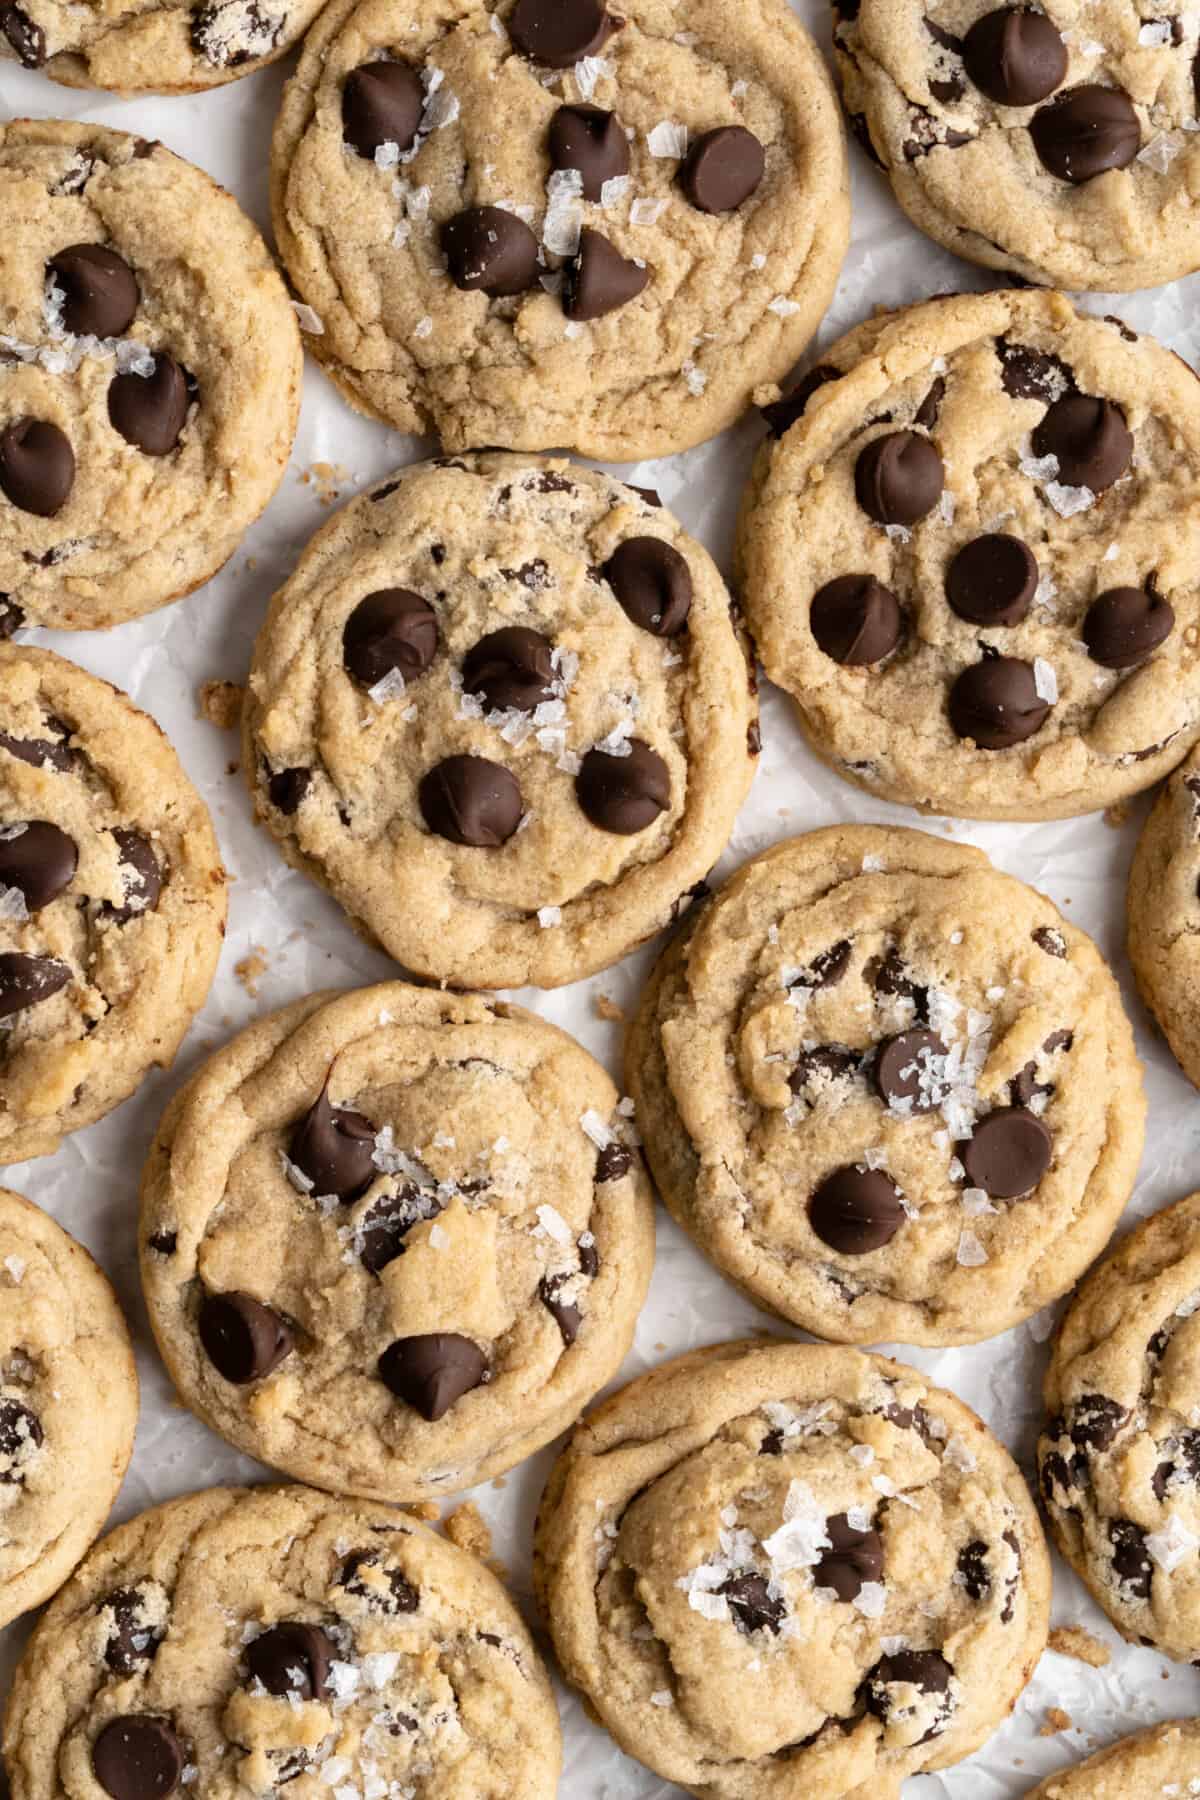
{"points": [[91, 1185]]}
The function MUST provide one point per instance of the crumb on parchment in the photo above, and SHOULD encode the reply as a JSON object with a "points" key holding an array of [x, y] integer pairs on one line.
{"points": [[467, 1528], [1056, 1720], [1073, 1640], [220, 702], [607, 1008], [252, 968]]}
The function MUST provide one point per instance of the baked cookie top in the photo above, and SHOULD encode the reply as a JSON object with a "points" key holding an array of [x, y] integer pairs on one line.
{"points": [[241, 1642], [1163, 905], [973, 556], [68, 1403], [779, 1569], [888, 1090], [112, 900], [180, 48], [541, 225], [149, 375], [1120, 1455], [1058, 143], [393, 1240], [1147, 1766], [502, 711]]}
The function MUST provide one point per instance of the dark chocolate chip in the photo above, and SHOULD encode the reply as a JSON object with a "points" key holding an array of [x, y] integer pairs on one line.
{"points": [[996, 703], [11, 618], [854, 1558], [141, 876], [1086, 131], [391, 629], [286, 788], [511, 668], [490, 251], [903, 1072], [382, 103], [598, 279], [389, 1221], [624, 794], [722, 169], [1008, 1154], [930, 133], [992, 580], [950, 87], [826, 968], [229, 33], [1096, 1421], [40, 862], [1025, 1086], [856, 1210], [37, 466], [856, 620], [150, 411], [754, 738], [1130, 1561], [20, 1433], [138, 1757], [27, 40], [243, 1339], [1089, 437], [1027, 374], [591, 140], [589, 1257], [130, 1645], [432, 1371], [890, 974], [752, 1604], [292, 1659], [394, 1595], [930, 408], [1014, 56], [565, 1313], [647, 494], [100, 288], [612, 1162], [334, 1147], [825, 1062], [973, 1569], [28, 980], [898, 478], [560, 33], [1183, 1464], [472, 801], [164, 1243], [653, 583], [1125, 626], [926, 1670], [1050, 940], [782, 414]]}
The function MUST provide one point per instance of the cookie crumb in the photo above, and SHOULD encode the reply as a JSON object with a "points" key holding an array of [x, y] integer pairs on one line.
{"points": [[1056, 1720], [328, 479], [220, 702], [468, 1530], [424, 1509], [607, 1008], [1074, 1640], [251, 969]]}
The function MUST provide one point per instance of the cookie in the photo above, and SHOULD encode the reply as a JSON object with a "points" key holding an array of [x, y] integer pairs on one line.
{"points": [[888, 1090], [972, 557], [1163, 910], [276, 1640], [1164, 1760], [149, 373], [559, 224], [68, 1404], [1120, 1455], [1057, 145], [789, 1569], [112, 900], [393, 1240], [179, 48], [502, 712]]}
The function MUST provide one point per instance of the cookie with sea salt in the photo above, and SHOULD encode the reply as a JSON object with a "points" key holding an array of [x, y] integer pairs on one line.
{"points": [[279, 1641], [557, 223], [112, 900], [887, 1089], [1163, 912], [785, 1569], [1164, 1761], [970, 552], [182, 47], [392, 1241], [149, 375], [502, 711]]}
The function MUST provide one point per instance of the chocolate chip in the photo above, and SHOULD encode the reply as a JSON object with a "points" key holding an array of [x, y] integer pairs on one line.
{"points": [[150, 411], [826, 968], [903, 1072], [334, 1147], [432, 1371], [831, 1062], [490, 251], [286, 788], [589, 1256], [1096, 1421], [653, 584], [624, 794], [782, 414], [292, 1660], [141, 876], [472, 801], [1130, 1561], [722, 169], [28, 980], [1050, 940], [930, 408], [1008, 1154], [163, 1243], [591, 140], [930, 133], [37, 466], [1014, 56], [243, 1339], [39, 863], [42, 753], [101, 293], [996, 703], [1025, 1087], [992, 580], [751, 1603], [598, 279], [1183, 1463], [27, 40], [647, 494], [138, 1757], [1125, 626], [511, 668], [391, 629], [130, 1644], [926, 1670], [382, 103], [1027, 374], [856, 620], [11, 618], [20, 1434], [856, 1210], [229, 33], [898, 478], [947, 88], [612, 1162], [854, 1558], [560, 33], [389, 1221], [1087, 131], [395, 1595], [1090, 439], [565, 1314], [973, 1569]]}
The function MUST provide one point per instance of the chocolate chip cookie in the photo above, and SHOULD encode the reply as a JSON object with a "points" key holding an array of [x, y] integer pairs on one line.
{"points": [[788, 1569], [888, 1090], [971, 554], [276, 1640], [503, 713], [393, 1240], [68, 1404], [1120, 1454], [557, 223], [1163, 907], [112, 900], [1162, 1761], [1060, 144], [149, 374], [178, 48]]}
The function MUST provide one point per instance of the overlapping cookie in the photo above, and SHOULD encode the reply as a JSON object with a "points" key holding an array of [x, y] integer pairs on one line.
{"points": [[178, 48], [1156, 1763], [1163, 911]]}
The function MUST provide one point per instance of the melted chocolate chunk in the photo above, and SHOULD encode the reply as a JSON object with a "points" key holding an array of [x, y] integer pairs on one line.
{"points": [[624, 794], [752, 1605], [511, 668], [826, 969], [293, 1660], [393, 1595], [903, 1072], [591, 140], [141, 877], [26, 40], [382, 103], [995, 703], [39, 863], [854, 1558], [782, 414], [37, 466], [1015, 56], [1090, 439], [1095, 1422], [29, 980], [898, 478], [565, 1313], [431, 1371], [20, 1435], [653, 584], [387, 1224], [856, 1210], [1131, 1565], [334, 1146], [390, 631], [130, 1644], [1126, 625], [1085, 132], [472, 801]]}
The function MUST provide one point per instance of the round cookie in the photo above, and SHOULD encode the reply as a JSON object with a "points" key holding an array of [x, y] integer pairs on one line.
{"points": [[783, 1569], [1161, 1761], [180, 48], [888, 1090], [112, 900], [149, 375], [1058, 144], [1163, 905], [1120, 1455], [392, 1241], [277, 1640], [973, 557], [502, 711], [542, 225], [68, 1404]]}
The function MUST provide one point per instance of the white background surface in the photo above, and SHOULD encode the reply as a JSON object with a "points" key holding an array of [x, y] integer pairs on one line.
{"points": [[91, 1185]]}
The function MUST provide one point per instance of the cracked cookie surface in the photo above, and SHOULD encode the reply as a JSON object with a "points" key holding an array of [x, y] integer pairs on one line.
{"points": [[888, 1090], [393, 1240], [502, 711], [112, 900], [149, 376], [160, 46], [1163, 911], [274, 1640], [68, 1403], [972, 557], [1147, 1766], [539, 226], [785, 1570]]}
